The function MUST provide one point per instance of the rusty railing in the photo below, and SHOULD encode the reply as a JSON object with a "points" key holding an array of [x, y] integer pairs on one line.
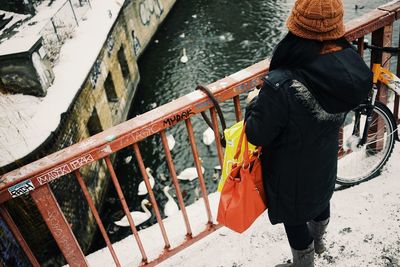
{"points": [[34, 178]]}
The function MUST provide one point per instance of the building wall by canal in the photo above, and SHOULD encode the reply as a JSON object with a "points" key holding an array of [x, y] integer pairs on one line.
{"points": [[102, 101]]}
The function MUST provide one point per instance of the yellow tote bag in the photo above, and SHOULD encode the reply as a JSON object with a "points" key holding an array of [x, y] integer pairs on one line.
{"points": [[232, 135]]}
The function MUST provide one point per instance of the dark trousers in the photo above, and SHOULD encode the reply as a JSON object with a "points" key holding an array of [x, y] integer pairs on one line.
{"points": [[298, 235]]}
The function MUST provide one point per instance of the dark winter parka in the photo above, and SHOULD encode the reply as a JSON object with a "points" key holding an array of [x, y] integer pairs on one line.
{"points": [[296, 119]]}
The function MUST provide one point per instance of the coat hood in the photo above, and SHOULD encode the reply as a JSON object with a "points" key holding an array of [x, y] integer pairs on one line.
{"points": [[339, 81]]}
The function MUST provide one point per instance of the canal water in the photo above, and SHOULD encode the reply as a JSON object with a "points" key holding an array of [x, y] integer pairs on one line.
{"points": [[220, 38]]}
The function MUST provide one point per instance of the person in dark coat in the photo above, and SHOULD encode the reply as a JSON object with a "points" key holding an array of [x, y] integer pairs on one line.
{"points": [[315, 78]]}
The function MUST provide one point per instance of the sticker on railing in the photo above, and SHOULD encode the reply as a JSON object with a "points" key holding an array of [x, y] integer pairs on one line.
{"points": [[21, 188]]}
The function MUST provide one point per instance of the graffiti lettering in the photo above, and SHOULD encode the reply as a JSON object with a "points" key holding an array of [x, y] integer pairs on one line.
{"points": [[75, 164], [21, 188], [54, 174], [64, 169], [147, 8], [60, 237], [178, 117], [145, 133]]}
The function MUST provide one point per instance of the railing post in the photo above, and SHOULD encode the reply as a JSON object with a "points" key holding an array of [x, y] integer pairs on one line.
{"points": [[18, 236], [382, 37], [58, 226], [396, 98]]}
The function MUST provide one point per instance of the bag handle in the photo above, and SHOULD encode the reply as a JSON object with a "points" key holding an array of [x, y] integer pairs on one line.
{"points": [[243, 138], [210, 95]]}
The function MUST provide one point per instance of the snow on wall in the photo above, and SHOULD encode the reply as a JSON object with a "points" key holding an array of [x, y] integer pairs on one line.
{"points": [[23, 130]]}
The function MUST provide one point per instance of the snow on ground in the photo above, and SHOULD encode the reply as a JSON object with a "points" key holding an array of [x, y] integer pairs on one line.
{"points": [[21, 132], [364, 231]]}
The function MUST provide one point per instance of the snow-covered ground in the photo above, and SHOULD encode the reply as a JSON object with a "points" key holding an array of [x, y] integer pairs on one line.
{"points": [[364, 231]]}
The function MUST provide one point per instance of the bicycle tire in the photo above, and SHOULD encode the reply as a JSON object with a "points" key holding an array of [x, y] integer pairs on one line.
{"points": [[362, 164]]}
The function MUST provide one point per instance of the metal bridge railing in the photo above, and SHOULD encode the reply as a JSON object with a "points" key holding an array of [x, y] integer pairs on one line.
{"points": [[34, 178]]}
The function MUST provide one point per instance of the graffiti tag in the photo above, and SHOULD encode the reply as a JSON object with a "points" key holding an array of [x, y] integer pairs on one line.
{"points": [[178, 117], [64, 169], [149, 7], [21, 188]]}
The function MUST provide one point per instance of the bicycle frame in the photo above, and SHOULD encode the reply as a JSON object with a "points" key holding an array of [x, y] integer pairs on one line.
{"points": [[386, 77]]}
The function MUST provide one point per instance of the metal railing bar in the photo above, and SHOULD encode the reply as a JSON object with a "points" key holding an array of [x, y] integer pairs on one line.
{"points": [[397, 98], [214, 120], [125, 208], [238, 112], [368, 23], [96, 215], [197, 163], [172, 171], [18, 236], [360, 46], [58, 226], [151, 195]]}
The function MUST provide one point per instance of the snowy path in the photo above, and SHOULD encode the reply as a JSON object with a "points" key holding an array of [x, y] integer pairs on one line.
{"points": [[364, 231]]}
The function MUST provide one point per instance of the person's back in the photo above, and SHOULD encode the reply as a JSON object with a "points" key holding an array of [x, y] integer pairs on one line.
{"points": [[315, 78]]}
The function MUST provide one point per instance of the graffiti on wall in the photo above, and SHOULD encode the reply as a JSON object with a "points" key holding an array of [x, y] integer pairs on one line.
{"points": [[96, 71], [149, 7], [137, 47]]}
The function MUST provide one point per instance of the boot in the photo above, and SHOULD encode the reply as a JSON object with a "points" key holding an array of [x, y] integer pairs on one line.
{"points": [[317, 231], [301, 258]]}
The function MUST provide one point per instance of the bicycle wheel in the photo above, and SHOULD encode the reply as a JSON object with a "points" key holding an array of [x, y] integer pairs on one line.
{"points": [[359, 164]]}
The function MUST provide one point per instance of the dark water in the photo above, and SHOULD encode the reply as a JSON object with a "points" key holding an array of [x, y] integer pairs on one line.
{"points": [[220, 38]]}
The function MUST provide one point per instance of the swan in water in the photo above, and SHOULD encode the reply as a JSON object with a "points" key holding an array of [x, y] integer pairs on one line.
{"points": [[208, 136], [217, 172], [162, 177], [171, 141], [142, 190], [170, 207], [128, 159], [138, 217], [189, 173], [184, 58]]}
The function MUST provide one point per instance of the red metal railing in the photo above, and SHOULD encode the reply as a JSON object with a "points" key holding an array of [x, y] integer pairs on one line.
{"points": [[34, 177]]}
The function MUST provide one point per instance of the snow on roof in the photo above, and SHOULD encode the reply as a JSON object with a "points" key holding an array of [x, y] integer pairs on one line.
{"points": [[364, 230], [29, 32], [15, 17], [23, 127]]}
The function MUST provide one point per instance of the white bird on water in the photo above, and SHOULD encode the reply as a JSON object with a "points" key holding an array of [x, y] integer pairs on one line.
{"points": [[170, 207], [208, 136], [184, 58], [128, 159], [171, 141], [138, 217], [142, 189], [189, 173]]}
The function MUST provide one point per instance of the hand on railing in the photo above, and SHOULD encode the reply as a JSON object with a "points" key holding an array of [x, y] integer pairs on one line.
{"points": [[251, 95]]}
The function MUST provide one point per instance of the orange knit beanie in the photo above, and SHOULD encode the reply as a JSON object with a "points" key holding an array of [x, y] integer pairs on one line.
{"points": [[317, 19]]}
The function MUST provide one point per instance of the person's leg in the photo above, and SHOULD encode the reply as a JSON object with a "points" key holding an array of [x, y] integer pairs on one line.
{"points": [[302, 245], [298, 235], [317, 228]]}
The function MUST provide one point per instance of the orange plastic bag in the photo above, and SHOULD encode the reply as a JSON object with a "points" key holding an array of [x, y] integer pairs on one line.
{"points": [[242, 197]]}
